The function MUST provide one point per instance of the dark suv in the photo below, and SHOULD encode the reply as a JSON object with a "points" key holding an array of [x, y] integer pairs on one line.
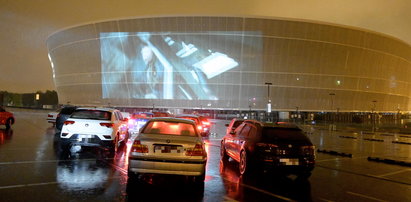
{"points": [[63, 115], [276, 147]]}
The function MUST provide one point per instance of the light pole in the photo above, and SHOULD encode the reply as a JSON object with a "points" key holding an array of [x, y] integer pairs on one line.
{"points": [[332, 126], [373, 115], [268, 99]]}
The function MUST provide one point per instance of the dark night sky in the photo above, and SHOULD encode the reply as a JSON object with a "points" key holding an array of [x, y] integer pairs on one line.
{"points": [[26, 24]]}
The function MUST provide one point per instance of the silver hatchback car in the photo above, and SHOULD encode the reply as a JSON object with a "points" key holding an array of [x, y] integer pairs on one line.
{"points": [[168, 146]]}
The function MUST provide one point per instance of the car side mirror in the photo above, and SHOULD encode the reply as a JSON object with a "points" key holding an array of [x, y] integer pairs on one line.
{"points": [[226, 125]]}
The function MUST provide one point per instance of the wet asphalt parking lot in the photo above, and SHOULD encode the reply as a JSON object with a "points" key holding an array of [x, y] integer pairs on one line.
{"points": [[31, 169]]}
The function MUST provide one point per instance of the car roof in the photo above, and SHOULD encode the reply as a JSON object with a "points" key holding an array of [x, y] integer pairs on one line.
{"points": [[288, 125], [187, 115], [97, 108], [172, 119]]}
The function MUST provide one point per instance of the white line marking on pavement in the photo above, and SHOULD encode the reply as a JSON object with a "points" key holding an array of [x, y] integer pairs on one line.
{"points": [[262, 191], [364, 196], [393, 173], [323, 199], [27, 185], [228, 199]]}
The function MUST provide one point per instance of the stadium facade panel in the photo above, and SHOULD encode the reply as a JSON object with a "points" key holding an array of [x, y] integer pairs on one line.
{"points": [[224, 63]]}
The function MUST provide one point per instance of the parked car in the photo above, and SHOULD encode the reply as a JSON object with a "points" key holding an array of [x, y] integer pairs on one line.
{"points": [[6, 118], [161, 114], [51, 116], [234, 123], [170, 146], [63, 115], [94, 127], [197, 121], [138, 120], [206, 124], [279, 148]]}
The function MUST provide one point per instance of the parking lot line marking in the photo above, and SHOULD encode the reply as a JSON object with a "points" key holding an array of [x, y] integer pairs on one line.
{"points": [[364, 196], [228, 199], [47, 161], [323, 199], [27, 185], [361, 174], [262, 191], [393, 173]]}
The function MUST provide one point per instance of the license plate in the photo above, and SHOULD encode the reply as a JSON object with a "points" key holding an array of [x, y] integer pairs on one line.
{"points": [[168, 149], [85, 136], [289, 162]]}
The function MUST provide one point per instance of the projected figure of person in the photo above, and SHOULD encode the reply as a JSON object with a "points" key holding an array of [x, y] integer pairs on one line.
{"points": [[153, 73]]}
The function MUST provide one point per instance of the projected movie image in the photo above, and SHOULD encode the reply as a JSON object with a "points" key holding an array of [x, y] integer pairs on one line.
{"points": [[184, 66]]}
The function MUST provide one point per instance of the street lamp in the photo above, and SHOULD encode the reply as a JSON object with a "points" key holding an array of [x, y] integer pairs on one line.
{"points": [[268, 99]]}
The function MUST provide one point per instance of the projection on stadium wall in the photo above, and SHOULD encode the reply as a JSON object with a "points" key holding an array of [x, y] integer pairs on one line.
{"points": [[166, 65]]}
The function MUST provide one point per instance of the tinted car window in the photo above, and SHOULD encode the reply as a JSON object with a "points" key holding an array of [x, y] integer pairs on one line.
{"points": [[237, 123], [91, 114], [170, 128], [275, 134], [246, 129], [67, 110]]}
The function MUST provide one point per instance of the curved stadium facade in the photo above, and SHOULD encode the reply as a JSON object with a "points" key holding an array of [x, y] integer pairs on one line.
{"points": [[225, 63]]}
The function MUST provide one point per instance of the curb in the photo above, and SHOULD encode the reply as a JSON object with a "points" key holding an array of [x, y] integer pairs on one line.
{"points": [[334, 153], [348, 137], [375, 140], [398, 142], [389, 161]]}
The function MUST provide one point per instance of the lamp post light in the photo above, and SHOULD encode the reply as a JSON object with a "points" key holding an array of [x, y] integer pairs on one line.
{"points": [[268, 99]]}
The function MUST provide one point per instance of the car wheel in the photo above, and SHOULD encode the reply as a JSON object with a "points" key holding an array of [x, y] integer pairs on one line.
{"points": [[304, 175], [199, 179], [8, 123], [224, 155], [244, 164]]}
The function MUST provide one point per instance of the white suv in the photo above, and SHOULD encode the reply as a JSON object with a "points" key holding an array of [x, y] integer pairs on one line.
{"points": [[94, 127]]}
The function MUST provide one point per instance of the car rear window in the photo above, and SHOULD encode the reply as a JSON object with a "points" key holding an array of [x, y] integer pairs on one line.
{"points": [[67, 110], [170, 128], [237, 123], [277, 134], [189, 118], [91, 114]]}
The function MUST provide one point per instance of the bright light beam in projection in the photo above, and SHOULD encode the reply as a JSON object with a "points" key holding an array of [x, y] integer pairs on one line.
{"points": [[166, 65]]}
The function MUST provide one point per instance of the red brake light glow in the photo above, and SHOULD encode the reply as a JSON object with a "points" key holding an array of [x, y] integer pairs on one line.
{"points": [[138, 147], [196, 151], [108, 125], [68, 122]]}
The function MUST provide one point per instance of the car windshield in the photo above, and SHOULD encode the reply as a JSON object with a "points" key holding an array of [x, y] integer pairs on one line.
{"points": [[170, 128], [91, 114], [270, 134]]}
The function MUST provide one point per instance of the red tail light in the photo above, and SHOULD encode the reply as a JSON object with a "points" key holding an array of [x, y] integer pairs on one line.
{"points": [[108, 125], [68, 122], [206, 123], [196, 151], [138, 147], [49, 115], [308, 150], [200, 128]]}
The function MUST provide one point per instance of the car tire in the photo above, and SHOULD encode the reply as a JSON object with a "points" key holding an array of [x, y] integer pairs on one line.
{"points": [[304, 175], [223, 153], [8, 123], [244, 164], [199, 179]]}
